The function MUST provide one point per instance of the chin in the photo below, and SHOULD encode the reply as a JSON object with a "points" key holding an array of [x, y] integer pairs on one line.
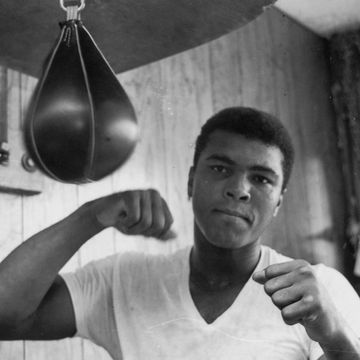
{"points": [[228, 241]]}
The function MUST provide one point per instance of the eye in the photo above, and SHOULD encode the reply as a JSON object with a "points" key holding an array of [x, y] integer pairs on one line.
{"points": [[260, 179], [219, 169]]}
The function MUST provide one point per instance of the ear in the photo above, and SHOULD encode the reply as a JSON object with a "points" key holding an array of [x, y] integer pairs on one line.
{"points": [[190, 182], [277, 208]]}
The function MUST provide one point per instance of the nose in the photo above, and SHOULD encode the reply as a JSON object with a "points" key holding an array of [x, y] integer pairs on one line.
{"points": [[238, 189]]}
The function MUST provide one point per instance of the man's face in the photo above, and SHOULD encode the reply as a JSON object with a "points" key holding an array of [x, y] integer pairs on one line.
{"points": [[236, 189]]}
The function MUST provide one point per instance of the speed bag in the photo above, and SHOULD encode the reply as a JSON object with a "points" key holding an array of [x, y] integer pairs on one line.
{"points": [[81, 125]]}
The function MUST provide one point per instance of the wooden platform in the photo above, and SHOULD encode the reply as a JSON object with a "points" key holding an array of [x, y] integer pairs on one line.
{"points": [[130, 33]]}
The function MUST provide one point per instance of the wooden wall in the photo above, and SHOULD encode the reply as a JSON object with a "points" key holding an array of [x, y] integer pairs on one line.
{"points": [[272, 64]]}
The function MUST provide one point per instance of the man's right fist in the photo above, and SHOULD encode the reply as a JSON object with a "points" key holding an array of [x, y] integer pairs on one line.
{"points": [[135, 212]]}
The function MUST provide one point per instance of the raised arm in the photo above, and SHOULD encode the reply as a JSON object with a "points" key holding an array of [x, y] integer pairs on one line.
{"points": [[34, 301]]}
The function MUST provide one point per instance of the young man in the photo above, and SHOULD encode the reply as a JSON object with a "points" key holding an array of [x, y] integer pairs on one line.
{"points": [[227, 297]]}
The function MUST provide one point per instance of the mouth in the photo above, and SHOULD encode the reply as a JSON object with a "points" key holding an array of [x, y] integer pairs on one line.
{"points": [[236, 214]]}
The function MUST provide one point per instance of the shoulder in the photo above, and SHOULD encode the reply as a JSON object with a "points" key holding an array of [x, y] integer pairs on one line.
{"points": [[94, 276], [342, 294], [143, 277], [130, 261], [148, 263], [132, 270], [333, 279], [271, 256]]}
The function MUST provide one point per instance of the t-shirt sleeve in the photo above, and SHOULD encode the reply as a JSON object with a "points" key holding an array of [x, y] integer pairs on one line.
{"points": [[344, 297], [91, 293]]}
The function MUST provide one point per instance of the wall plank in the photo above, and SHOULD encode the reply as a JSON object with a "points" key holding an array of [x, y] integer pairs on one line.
{"points": [[100, 246], [185, 78], [146, 168], [11, 236]]}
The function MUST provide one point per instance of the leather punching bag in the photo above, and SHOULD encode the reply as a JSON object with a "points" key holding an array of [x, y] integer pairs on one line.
{"points": [[81, 125]]}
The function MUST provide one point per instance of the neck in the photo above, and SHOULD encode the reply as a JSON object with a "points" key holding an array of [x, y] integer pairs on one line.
{"points": [[221, 265]]}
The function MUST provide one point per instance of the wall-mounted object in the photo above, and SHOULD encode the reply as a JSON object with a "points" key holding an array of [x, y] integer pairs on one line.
{"points": [[18, 173]]}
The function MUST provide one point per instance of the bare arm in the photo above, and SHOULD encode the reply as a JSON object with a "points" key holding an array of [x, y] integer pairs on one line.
{"points": [[345, 346], [53, 319], [34, 300], [27, 274]]}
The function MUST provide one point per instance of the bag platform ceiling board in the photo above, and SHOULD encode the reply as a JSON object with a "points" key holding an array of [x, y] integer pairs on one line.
{"points": [[129, 33]]}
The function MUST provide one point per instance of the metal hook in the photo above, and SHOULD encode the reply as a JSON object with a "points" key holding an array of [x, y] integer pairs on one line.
{"points": [[81, 7]]}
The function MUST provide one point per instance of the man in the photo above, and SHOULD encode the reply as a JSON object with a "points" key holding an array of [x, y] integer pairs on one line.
{"points": [[227, 297]]}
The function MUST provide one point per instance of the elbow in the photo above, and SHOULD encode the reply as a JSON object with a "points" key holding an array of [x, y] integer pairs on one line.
{"points": [[12, 326]]}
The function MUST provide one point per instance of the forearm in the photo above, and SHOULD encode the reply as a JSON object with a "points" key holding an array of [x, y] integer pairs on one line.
{"points": [[27, 273], [345, 346]]}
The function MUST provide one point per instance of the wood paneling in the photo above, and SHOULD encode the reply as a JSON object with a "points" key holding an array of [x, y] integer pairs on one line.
{"points": [[146, 93], [272, 64], [11, 235], [184, 105], [16, 89], [100, 246]]}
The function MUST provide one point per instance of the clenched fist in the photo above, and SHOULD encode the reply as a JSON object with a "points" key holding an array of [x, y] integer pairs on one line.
{"points": [[136, 212], [296, 291]]}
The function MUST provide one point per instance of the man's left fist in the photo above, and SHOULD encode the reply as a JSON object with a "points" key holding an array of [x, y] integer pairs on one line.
{"points": [[296, 291]]}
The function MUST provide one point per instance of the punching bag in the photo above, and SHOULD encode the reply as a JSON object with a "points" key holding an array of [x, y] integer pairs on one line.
{"points": [[81, 125]]}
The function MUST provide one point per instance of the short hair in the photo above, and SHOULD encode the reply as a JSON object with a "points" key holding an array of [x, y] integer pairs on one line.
{"points": [[252, 124]]}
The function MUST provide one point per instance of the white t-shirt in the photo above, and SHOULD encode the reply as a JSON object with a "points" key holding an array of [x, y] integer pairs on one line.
{"points": [[139, 307]]}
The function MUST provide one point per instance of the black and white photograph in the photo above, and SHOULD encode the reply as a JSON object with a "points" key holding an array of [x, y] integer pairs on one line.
{"points": [[180, 180]]}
